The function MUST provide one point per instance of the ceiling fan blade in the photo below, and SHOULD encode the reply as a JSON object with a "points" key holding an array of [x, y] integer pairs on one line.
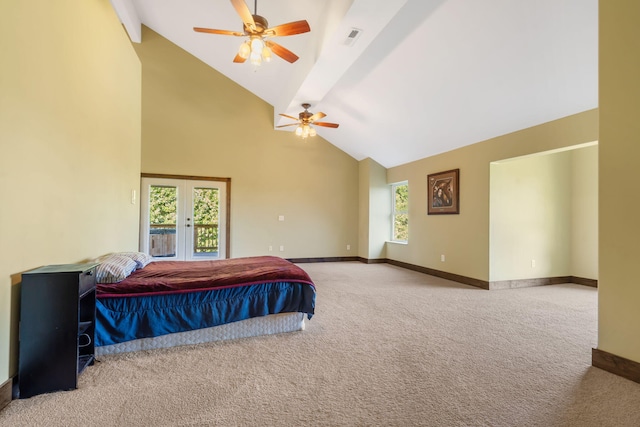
{"points": [[222, 32], [239, 59], [325, 124], [245, 14], [317, 116], [289, 117], [290, 124], [282, 52], [297, 27]]}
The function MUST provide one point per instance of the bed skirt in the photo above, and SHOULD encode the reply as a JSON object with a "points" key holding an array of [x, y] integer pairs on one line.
{"points": [[255, 326]]}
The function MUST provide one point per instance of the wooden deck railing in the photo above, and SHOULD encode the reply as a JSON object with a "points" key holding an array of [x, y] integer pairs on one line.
{"points": [[205, 239], [162, 244]]}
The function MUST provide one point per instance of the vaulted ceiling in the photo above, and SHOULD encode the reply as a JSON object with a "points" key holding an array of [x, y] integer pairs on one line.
{"points": [[423, 76]]}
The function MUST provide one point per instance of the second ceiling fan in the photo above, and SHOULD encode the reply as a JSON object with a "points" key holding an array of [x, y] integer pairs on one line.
{"points": [[304, 121], [257, 48]]}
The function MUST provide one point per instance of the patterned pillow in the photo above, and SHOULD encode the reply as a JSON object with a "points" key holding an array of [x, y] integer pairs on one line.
{"points": [[141, 259], [114, 268]]}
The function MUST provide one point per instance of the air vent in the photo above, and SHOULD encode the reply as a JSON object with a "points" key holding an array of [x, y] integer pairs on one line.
{"points": [[352, 37]]}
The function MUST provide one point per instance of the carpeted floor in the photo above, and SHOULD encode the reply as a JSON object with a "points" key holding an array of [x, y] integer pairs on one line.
{"points": [[387, 347]]}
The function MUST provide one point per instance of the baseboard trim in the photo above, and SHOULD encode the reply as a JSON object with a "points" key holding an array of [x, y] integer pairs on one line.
{"points": [[528, 283], [542, 281], [483, 284], [615, 364], [323, 259], [373, 261], [443, 274], [585, 282], [6, 393]]}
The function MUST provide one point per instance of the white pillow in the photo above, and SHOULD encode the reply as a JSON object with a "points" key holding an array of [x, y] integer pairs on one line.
{"points": [[114, 268], [141, 259]]}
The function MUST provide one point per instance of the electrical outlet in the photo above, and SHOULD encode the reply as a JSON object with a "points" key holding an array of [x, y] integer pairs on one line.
{"points": [[442, 258], [280, 217], [348, 247], [533, 263], [281, 248], [270, 248]]}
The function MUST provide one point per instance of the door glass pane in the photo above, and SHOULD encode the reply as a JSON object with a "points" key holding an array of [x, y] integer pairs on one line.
{"points": [[206, 210], [163, 208]]}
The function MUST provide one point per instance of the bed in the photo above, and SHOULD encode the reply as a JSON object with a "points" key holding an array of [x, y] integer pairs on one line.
{"points": [[167, 303]]}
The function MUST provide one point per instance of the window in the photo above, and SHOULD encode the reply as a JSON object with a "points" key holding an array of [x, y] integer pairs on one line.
{"points": [[400, 211]]}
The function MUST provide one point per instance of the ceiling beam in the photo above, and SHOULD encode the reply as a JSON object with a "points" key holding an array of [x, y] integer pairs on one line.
{"points": [[128, 15], [338, 55]]}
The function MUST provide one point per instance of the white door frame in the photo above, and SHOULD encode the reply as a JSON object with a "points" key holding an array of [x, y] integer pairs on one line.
{"points": [[184, 234]]}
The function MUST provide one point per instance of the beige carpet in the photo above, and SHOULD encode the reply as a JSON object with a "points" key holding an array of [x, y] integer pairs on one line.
{"points": [[387, 347]]}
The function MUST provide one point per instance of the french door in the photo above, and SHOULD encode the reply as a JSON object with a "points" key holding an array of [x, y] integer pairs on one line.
{"points": [[183, 219]]}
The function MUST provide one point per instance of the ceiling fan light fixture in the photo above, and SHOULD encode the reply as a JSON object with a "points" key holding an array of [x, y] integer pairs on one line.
{"points": [[257, 44], [304, 131], [266, 54], [245, 50], [256, 51], [255, 58]]}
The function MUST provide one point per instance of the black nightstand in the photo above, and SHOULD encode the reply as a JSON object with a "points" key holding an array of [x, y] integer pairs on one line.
{"points": [[57, 327]]}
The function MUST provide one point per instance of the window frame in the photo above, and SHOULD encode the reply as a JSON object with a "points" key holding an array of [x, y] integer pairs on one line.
{"points": [[395, 211]]}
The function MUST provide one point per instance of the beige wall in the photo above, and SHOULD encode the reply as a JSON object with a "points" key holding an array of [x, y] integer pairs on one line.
{"points": [[619, 178], [543, 215], [195, 121], [464, 238], [364, 170], [375, 210], [584, 213], [70, 140], [530, 217]]}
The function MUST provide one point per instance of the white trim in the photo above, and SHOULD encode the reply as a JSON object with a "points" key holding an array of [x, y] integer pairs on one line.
{"points": [[184, 240]]}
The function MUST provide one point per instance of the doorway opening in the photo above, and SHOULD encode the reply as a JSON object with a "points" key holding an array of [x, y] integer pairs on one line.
{"points": [[184, 218]]}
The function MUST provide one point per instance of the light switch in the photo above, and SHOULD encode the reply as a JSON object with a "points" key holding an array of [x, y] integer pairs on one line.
{"points": [[280, 217]]}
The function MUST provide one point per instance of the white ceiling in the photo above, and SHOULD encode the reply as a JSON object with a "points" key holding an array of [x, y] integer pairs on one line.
{"points": [[424, 77]]}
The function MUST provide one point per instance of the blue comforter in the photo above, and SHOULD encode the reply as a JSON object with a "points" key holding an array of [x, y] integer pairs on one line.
{"points": [[129, 317]]}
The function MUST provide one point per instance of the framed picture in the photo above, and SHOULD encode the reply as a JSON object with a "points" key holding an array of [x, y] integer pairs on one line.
{"points": [[444, 193]]}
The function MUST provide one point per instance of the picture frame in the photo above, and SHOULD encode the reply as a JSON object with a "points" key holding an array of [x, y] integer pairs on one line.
{"points": [[443, 193]]}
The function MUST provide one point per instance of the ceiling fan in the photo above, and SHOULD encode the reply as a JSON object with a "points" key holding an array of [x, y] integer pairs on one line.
{"points": [[304, 121], [257, 48]]}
